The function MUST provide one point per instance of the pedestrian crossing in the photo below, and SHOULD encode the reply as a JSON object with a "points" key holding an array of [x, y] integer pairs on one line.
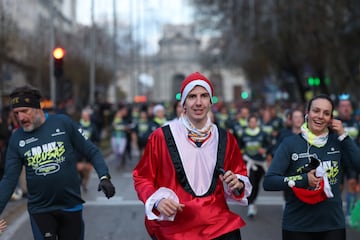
{"points": [[127, 198], [120, 201]]}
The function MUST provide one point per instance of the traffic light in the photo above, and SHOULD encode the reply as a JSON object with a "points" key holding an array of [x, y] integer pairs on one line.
{"points": [[58, 54], [314, 81], [245, 95], [215, 99]]}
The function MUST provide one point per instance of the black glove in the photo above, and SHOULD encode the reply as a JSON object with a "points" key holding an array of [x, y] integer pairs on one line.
{"points": [[313, 164], [107, 187]]}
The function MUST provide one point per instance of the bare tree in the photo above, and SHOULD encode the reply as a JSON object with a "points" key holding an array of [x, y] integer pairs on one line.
{"points": [[288, 38]]}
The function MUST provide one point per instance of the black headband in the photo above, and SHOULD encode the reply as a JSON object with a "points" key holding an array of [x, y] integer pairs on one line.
{"points": [[25, 100]]}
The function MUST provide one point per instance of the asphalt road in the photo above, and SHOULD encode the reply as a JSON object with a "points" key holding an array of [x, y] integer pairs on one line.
{"points": [[122, 217]]}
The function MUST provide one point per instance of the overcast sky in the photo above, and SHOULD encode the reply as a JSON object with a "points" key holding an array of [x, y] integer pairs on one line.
{"points": [[147, 15]]}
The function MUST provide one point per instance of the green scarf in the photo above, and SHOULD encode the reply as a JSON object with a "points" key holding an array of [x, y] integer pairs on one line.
{"points": [[317, 141], [252, 131]]}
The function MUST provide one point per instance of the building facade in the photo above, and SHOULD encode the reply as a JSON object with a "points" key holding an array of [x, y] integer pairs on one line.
{"points": [[179, 55], [27, 33]]}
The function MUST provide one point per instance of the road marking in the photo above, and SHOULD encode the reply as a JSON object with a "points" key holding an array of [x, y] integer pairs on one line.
{"points": [[270, 200], [119, 201], [116, 201], [94, 175]]}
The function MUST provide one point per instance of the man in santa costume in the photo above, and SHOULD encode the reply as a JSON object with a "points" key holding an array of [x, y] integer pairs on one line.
{"points": [[188, 172]]}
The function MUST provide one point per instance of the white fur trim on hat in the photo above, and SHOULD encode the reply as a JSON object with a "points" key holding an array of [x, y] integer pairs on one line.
{"points": [[191, 85]]}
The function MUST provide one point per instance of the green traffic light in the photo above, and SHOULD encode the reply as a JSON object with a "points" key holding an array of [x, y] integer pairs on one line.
{"points": [[244, 95], [178, 96], [215, 99], [327, 81], [314, 81], [317, 81], [311, 81]]}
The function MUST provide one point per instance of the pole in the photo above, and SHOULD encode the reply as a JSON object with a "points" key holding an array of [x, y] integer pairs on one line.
{"points": [[132, 49], [51, 60], [115, 50], [92, 58], [252, 23], [2, 24]]}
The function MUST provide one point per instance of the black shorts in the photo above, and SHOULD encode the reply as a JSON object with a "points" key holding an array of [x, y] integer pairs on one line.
{"points": [[338, 234], [234, 235], [58, 225]]}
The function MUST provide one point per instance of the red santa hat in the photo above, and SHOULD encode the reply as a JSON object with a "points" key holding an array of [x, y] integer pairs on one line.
{"points": [[311, 196], [195, 79], [314, 196]]}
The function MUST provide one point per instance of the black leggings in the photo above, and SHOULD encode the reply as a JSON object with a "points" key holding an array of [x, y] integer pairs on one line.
{"points": [[338, 234], [234, 235], [58, 225], [255, 177]]}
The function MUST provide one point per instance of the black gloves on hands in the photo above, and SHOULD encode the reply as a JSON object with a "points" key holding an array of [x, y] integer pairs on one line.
{"points": [[107, 187]]}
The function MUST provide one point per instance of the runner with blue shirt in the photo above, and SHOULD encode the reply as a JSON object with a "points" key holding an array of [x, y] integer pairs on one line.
{"points": [[314, 207], [47, 146]]}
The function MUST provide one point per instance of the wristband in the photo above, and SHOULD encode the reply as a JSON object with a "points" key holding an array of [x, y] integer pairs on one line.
{"points": [[105, 177], [342, 136]]}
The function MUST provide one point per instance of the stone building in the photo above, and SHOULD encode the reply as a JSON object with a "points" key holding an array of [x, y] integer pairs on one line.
{"points": [[179, 55]]}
